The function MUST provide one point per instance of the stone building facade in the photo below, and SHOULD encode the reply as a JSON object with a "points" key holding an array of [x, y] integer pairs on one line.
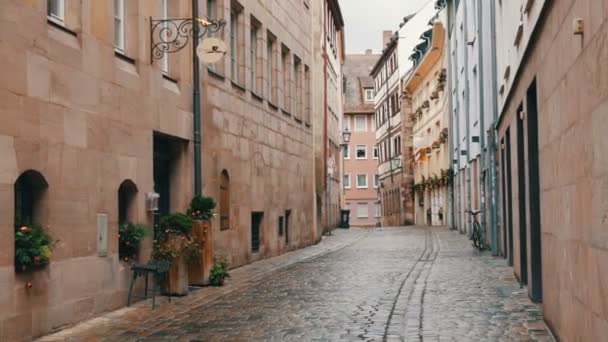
{"points": [[553, 95], [427, 109], [328, 101], [360, 178], [84, 112]]}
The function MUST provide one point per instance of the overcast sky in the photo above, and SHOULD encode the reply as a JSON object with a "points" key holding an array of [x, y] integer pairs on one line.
{"points": [[366, 19]]}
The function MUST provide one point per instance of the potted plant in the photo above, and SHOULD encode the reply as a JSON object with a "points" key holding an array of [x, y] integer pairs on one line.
{"points": [[32, 248], [434, 95], [174, 244], [219, 271], [202, 210], [130, 236]]}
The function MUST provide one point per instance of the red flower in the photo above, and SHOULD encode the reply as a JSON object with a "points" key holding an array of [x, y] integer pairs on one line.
{"points": [[24, 229]]}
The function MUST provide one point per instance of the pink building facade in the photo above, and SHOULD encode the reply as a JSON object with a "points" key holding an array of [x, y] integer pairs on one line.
{"points": [[361, 156]]}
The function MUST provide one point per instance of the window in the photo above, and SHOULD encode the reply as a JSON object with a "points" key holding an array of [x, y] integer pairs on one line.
{"points": [[119, 25], [346, 152], [30, 190], [256, 223], [307, 95], [234, 24], [271, 76], [286, 78], [253, 54], [297, 87], [127, 193], [362, 181], [346, 181], [361, 152], [224, 200], [369, 95], [126, 198], [375, 151], [362, 210], [346, 123], [376, 181], [165, 61], [211, 9], [360, 123], [377, 210], [55, 10]]}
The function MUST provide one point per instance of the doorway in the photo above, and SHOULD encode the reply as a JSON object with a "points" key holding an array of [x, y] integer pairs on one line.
{"points": [[534, 191], [256, 223], [166, 155], [521, 176], [509, 197]]}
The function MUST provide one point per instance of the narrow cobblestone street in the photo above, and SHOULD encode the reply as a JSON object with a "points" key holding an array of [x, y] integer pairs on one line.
{"points": [[387, 284]]}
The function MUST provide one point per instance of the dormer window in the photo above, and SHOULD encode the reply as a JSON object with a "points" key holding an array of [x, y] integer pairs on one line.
{"points": [[369, 94]]}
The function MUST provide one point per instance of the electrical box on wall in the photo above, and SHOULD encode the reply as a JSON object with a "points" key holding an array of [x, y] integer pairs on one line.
{"points": [[102, 235]]}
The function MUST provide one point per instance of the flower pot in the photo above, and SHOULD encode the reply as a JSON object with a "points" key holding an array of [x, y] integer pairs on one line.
{"points": [[198, 272]]}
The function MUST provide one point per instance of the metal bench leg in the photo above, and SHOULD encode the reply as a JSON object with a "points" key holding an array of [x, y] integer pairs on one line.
{"points": [[146, 288], [131, 288]]}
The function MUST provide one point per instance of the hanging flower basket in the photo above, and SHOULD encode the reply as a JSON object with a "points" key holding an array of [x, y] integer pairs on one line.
{"points": [[436, 145], [434, 95], [428, 150], [426, 104]]}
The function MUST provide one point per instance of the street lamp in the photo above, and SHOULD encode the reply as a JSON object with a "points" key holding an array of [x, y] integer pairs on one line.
{"points": [[345, 137], [172, 35]]}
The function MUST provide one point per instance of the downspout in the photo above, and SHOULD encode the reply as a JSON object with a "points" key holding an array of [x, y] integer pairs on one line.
{"points": [[467, 118], [451, 119], [493, 170], [325, 140], [482, 139]]}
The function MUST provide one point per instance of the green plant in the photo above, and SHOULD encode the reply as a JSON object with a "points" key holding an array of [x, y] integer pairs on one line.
{"points": [[130, 236], [202, 208], [32, 247], [174, 224], [219, 271]]}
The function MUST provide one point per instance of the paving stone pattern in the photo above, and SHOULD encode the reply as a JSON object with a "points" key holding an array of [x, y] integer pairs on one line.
{"points": [[385, 284]]}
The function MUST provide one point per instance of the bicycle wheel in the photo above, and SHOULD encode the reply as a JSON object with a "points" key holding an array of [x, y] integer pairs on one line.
{"points": [[477, 243]]}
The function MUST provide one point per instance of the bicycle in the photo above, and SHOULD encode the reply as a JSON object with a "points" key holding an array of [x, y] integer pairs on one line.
{"points": [[476, 234]]}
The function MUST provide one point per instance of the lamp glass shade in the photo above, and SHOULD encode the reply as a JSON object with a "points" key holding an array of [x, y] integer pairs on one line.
{"points": [[346, 135]]}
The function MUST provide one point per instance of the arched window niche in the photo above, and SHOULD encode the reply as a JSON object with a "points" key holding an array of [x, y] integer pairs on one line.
{"points": [[224, 200], [32, 243], [130, 233]]}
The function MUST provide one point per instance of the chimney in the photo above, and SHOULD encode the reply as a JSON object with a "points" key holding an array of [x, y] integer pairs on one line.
{"points": [[368, 51], [386, 37]]}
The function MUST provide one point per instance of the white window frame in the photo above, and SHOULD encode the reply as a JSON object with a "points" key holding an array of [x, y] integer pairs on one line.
{"points": [[119, 15], [376, 181], [366, 181], [357, 152], [347, 176], [347, 151], [165, 61], [59, 17], [346, 123], [369, 95], [364, 206], [359, 129]]}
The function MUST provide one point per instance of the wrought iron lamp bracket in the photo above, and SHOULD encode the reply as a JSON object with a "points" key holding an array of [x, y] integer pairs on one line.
{"points": [[172, 35]]}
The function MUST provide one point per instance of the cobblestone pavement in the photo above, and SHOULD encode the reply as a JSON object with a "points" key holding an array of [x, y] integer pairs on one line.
{"points": [[386, 284]]}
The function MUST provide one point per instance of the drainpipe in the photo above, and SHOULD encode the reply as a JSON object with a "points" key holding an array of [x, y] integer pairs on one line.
{"points": [[492, 144], [196, 104], [325, 119], [467, 118], [482, 138], [450, 118]]}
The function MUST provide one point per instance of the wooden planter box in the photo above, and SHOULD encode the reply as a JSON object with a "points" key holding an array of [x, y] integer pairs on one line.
{"points": [[178, 275], [198, 272]]}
